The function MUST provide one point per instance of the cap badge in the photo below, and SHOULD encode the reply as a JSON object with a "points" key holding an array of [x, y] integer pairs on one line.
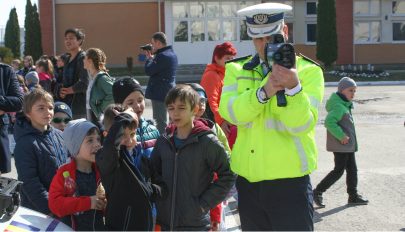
{"points": [[260, 18]]}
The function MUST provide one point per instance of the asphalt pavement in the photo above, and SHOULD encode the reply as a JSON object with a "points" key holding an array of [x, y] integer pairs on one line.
{"points": [[379, 115]]}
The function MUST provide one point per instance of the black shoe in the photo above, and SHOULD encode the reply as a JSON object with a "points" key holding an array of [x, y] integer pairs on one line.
{"points": [[357, 200], [318, 199]]}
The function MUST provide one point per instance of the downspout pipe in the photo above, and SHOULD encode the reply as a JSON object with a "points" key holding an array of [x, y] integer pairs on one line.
{"points": [[159, 12]]}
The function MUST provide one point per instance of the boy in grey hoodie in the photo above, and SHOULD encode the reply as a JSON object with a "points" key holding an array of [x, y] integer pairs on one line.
{"points": [[342, 141]]}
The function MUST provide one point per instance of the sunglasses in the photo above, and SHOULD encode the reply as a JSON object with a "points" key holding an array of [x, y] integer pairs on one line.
{"points": [[59, 120]]}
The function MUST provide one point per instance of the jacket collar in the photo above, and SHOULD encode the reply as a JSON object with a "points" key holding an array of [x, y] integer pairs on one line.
{"points": [[163, 49], [254, 62]]}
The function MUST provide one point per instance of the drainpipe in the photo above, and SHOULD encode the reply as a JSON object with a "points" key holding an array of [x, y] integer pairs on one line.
{"points": [[159, 23], [54, 27]]}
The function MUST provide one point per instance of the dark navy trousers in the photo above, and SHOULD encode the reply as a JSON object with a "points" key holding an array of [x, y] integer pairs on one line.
{"points": [[5, 156], [284, 204]]}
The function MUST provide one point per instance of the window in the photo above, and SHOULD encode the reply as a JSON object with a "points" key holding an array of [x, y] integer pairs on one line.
{"points": [[367, 32], [398, 7], [195, 21], [286, 2], [311, 32], [180, 31], [398, 31], [197, 31], [367, 7], [311, 8]]}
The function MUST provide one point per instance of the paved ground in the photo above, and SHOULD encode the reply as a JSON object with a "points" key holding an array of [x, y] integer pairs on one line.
{"points": [[379, 115]]}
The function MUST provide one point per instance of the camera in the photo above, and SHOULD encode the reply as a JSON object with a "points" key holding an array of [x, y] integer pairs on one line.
{"points": [[147, 47], [281, 53], [9, 196]]}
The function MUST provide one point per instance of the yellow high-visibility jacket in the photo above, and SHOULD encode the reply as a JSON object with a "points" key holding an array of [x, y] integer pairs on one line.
{"points": [[272, 142]]}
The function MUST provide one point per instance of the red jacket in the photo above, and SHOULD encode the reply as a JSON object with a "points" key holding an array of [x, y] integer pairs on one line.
{"points": [[213, 81], [61, 205]]}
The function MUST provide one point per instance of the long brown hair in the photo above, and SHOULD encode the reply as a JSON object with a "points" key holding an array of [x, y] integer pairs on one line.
{"points": [[98, 57]]}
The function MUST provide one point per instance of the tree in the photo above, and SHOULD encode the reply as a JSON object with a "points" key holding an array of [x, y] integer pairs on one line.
{"points": [[326, 37], [12, 35], [28, 28], [6, 56], [36, 35]]}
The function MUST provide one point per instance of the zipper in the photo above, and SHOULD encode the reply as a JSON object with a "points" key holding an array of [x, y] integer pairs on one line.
{"points": [[127, 218], [172, 211]]}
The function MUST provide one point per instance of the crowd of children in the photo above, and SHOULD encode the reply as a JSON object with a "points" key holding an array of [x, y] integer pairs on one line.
{"points": [[115, 171]]}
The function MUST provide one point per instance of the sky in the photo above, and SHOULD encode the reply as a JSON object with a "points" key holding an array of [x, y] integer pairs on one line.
{"points": [[7, 5]]}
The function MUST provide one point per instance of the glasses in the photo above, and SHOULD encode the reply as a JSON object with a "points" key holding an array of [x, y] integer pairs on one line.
{"points": [[203, 100], [59, 120]]}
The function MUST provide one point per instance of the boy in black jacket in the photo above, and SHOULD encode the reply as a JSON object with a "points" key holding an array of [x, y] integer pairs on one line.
{"points": [[128, 194], [186, 158]]}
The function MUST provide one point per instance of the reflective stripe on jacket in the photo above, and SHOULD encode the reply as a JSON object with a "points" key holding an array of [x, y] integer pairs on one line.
{"points": [[273, 142]]}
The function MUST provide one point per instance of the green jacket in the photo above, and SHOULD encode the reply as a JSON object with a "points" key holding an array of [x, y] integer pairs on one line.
{"points": [[339, 122], [101, 93], [273, 142]]}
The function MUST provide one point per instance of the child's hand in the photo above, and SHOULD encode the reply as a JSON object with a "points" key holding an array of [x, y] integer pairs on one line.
{"points": [[214, 226], [345, 140], [98, 204]]}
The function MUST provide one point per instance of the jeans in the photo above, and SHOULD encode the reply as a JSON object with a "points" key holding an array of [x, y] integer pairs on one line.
{"points": [[343, 161]]}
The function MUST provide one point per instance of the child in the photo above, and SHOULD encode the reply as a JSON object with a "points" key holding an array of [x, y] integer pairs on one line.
{"points": [[217, 214], [186, 158], [342, 141], [32, 80], [129, 93], [82, 204], [62, 115], [128, 195], [39, 151], [15, 64], [44, 69]]}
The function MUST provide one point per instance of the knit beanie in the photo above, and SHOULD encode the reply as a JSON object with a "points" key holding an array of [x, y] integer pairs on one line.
{"points": [[122, 88], [345, 82], [62, 107], [32, 77], [74, 134]]}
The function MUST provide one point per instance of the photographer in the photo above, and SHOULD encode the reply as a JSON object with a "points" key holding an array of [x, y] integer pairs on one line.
{"points": [[275, 150]]}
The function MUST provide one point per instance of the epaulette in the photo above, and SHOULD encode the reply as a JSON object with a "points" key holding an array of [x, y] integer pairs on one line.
{"points": [[238, 59], [310, 60]]}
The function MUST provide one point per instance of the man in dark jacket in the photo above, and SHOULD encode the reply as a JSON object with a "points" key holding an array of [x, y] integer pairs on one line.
{"points": [[75, 77], [162, 71], [10, 101]]}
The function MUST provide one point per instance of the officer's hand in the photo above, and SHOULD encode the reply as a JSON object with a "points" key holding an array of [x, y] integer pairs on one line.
{"points": [[287, 78], [271, 87]]}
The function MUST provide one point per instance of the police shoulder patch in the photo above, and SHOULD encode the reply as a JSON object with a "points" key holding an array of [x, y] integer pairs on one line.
{"points": [[309, 59], [238, 59]]}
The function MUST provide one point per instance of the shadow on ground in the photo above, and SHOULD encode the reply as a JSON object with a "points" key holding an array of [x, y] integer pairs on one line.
{"points": [[318, 216]]}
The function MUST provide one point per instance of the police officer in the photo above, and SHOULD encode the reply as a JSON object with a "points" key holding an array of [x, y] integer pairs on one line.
{"points": [[275, 149], [11, 99]]}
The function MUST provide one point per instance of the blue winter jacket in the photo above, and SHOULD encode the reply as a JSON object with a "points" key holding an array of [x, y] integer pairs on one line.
{"points": [[37, 157], [162, 73]]}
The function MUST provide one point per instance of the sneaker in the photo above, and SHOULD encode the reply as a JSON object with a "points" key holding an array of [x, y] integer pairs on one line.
{"points": [[357, 200], [318, 199]]}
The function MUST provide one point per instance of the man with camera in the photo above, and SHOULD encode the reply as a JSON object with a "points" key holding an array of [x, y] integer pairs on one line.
{"points": [[273, 99], [11, 99], [161, 66]]}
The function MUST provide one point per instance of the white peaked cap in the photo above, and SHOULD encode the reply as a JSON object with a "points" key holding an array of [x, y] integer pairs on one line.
{"points": [[264, 19]]}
